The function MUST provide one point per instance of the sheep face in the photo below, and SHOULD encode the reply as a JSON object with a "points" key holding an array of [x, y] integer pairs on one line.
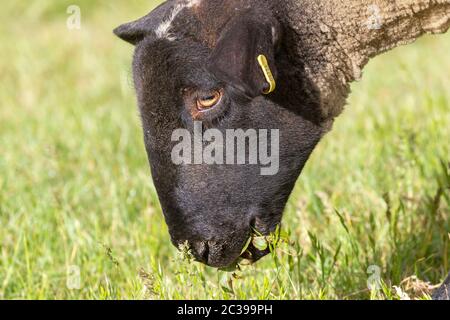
{"points": [[188, 88]]}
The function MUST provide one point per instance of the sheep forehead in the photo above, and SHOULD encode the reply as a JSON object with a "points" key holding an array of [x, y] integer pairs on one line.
{"points": [[164, 29]]}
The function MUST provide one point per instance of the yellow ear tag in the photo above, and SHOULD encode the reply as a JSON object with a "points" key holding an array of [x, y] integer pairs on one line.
{"points": [[262, 60]]}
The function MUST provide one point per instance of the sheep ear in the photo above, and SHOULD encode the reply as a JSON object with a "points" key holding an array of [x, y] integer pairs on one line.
{"points": [[134, 32], [237, 58]]}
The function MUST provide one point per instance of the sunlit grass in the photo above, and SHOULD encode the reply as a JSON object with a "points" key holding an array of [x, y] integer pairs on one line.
{"points": [[75, 188]]}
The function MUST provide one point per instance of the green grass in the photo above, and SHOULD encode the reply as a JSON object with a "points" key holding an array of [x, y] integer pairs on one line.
{"points": [[75, 188]]}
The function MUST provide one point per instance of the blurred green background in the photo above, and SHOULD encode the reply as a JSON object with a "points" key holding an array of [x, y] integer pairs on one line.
{"points": [[79, 216]]}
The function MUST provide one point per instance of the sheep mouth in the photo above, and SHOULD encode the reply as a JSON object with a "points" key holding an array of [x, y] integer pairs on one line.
{"points": [[250, 255], [258, 245], [255, 248], [253, 254]]}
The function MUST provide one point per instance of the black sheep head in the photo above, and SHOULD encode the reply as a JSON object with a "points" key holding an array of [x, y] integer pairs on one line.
{"points": [[197, 62]]}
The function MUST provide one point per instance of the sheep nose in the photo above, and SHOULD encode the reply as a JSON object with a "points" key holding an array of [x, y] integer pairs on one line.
{"points": [[213, 253]]}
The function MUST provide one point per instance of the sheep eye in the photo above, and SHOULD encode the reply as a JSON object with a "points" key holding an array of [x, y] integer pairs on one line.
{"points": [[208, 101]]}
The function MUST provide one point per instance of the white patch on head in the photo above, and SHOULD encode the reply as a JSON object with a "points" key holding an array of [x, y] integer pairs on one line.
{"points": [[163, 30]]}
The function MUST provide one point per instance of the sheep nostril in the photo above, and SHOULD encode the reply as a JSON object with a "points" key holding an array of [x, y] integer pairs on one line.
{"points": [[200, 250]]}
